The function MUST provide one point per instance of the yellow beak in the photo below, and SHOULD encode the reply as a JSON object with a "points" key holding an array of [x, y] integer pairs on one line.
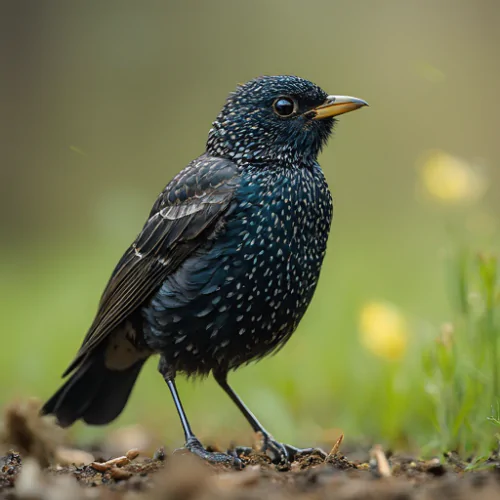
{"points": [[337, 105]]}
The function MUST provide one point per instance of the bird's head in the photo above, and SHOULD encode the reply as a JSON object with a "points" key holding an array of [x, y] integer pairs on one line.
{"points": [[271, 118]]}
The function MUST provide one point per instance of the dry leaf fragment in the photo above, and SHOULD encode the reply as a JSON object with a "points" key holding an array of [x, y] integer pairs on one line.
{"points": [[336, 446], [114, 462], [132, 454]]}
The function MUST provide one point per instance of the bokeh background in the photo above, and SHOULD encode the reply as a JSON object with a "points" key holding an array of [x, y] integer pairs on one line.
{"points": [[103, 102]]}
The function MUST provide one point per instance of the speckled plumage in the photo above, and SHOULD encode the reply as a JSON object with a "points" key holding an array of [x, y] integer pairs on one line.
{"points": [[227, 262], [243, 294]]}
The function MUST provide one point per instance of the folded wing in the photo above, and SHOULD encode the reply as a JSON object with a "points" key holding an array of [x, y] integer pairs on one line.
{"points": [[187, 213]]}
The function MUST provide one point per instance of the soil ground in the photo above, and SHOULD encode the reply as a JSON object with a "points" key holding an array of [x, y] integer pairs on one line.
{"points": [[310, 477], [43, 468]]}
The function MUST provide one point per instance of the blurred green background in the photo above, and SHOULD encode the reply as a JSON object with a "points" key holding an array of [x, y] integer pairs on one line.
{"points": [[103, 102]]}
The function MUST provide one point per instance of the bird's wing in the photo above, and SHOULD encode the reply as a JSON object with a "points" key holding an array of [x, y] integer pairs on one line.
{"points": [[185, 215]]}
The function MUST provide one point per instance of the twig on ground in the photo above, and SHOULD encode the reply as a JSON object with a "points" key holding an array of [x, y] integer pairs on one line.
{"points": [[383, 467], [115, 462]]}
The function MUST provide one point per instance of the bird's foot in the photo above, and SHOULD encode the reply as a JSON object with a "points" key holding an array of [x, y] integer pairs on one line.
{"points": [[214, 457], [294, 453], [285, 454]]}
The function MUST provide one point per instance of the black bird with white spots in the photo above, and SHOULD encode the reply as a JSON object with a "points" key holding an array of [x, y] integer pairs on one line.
{"points": [[226, 264]]}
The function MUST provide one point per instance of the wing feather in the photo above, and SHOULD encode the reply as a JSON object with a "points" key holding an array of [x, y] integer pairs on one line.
{"points": [[183, 217]]}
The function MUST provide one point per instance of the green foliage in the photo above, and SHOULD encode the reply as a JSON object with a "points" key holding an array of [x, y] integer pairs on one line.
{"points": [[461, 367]]}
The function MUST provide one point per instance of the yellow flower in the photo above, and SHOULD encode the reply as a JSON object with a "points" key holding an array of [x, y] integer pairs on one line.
{"points": [[450, 179], [384, 330]]}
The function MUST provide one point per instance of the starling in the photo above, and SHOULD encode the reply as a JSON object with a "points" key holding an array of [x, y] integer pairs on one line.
{"points": [[226, 263]]}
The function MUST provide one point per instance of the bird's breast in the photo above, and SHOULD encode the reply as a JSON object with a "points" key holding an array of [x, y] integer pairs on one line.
{"points": [[244, 293], [285, 216]]}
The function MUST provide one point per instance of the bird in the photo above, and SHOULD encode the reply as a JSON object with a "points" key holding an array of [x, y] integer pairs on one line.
{"points": [[225, 265]]}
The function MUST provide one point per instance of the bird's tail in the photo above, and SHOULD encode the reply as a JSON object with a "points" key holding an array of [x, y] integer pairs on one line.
{"points": [[93, 393]]}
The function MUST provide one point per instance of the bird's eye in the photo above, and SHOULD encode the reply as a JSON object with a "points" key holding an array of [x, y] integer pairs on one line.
{"points": [[284, 106]]}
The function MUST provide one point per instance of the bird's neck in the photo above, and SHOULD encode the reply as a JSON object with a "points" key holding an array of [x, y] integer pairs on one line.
{"points": [[224, 144]]}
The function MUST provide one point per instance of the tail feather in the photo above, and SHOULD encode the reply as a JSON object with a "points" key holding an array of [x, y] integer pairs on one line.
{"points": [[112, 395], [93, 393]]}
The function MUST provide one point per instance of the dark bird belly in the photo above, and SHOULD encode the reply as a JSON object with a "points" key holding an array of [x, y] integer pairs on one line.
{"points": [[242, 294]]}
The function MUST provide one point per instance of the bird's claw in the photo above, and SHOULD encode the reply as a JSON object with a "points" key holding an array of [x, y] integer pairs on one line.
{"points": [[286, 454], [276, 451], [294, 453], [195, 447]]}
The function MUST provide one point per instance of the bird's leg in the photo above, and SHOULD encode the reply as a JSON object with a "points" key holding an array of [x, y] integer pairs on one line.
{"points": [[192, 442], [279, 452]]}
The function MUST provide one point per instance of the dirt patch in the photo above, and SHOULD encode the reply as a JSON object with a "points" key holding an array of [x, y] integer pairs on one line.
{"points": [[75, 474], [182, 476]]}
